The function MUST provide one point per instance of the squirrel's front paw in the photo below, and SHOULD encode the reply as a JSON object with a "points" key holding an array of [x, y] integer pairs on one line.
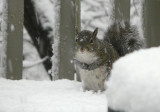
{"points": [[84, 66], [91, 68]]}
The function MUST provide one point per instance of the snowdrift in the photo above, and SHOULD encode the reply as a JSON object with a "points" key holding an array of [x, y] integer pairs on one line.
{"points": [[47, 96], [134, 85]]}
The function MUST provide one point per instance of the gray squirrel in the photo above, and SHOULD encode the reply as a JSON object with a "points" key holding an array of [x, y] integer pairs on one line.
{"points": [[94, 57]]}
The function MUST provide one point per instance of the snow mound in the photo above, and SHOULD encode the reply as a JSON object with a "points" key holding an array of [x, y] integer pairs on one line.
{"points": [[134, 85], [46, 96]]}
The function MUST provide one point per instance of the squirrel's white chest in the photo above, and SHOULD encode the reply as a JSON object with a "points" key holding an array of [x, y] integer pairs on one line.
{"points": [[86, 57], [93, 79]]}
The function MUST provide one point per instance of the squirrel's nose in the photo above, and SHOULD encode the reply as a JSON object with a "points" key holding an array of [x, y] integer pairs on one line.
{"points": [[82, 49]]}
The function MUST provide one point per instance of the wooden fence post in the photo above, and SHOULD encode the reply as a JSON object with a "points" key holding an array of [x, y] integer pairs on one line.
{"points": [[63, 49], [13, 35], [151, 23]]}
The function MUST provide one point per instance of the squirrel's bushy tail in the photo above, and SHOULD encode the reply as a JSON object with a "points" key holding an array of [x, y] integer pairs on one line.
{"points": [[124, 37]]}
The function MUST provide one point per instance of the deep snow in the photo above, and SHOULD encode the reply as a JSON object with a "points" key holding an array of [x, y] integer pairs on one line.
{"points": [[134, 85], [46, 96]]}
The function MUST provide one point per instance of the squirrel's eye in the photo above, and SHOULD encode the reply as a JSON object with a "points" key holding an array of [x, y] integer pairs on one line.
{"points": [[91, 41]]}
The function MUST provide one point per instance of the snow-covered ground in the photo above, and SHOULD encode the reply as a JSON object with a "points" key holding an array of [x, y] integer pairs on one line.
{"points": [[45, 96], [134, 85]]}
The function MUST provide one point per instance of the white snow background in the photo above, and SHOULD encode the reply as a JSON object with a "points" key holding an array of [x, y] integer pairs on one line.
{"points": [[46, 96], [134, 85]]}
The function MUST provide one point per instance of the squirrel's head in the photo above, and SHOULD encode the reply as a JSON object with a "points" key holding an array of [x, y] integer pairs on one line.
{"points": [[86, 40]]}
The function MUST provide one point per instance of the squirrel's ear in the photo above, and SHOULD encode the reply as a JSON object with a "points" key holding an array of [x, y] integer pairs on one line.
{"points": [[77, 31], [94, 34]]}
